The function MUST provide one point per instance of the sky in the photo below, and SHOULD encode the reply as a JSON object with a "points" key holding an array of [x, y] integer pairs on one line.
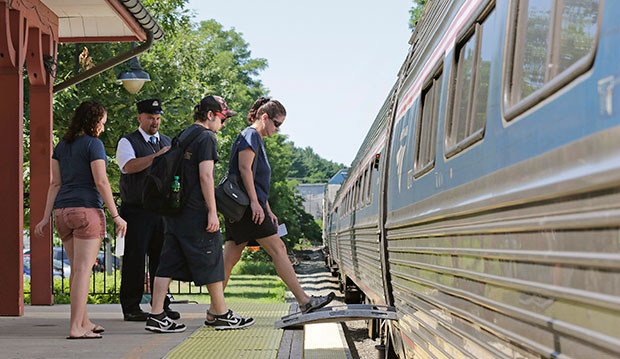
{"points": [[331, 63]]}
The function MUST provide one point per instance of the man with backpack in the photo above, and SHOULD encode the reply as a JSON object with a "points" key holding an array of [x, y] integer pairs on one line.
{"points": [[193, 242], [145, 230]]}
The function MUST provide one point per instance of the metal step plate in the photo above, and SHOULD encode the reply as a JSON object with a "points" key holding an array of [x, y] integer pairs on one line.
{"points": [[338, 313]]}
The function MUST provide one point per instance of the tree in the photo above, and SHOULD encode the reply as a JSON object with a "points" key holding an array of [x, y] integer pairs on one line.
{"points": [[191, 61], [311, 167], [416, 12]]}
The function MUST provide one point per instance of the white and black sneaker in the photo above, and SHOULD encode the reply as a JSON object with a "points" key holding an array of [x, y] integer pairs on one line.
{"points": [[228, 320], [160, 323]]}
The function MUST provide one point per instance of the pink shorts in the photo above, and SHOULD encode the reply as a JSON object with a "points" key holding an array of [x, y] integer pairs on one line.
{"points": [[79, 223]]}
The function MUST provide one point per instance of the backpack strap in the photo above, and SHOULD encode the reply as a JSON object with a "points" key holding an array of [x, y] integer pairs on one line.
{"points": [[190, 137]]}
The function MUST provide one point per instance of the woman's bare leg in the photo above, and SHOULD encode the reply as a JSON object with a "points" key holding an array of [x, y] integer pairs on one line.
{"points": [[277, 250], [232, 254], [84, 253]]}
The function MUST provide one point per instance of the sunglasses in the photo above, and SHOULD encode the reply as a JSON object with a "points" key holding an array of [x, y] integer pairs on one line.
{"points": [[276, 123], [220, 115]]}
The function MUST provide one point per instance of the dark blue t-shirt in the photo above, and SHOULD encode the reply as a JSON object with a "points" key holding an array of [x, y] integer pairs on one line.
{"points": [[249, 137], [78, 185]]}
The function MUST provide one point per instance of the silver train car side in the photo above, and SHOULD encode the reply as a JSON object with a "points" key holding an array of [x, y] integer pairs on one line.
{"points": [[484, 203]]}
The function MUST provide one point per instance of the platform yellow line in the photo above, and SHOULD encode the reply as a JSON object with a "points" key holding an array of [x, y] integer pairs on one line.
{"points": [[261, 340]]}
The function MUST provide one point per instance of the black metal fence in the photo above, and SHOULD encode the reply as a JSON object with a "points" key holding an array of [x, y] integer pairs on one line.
{"points": [[106, 272]]}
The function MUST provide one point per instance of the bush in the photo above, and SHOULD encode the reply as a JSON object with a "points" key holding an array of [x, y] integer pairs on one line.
{"points": [[254, 268], [255, 256]]}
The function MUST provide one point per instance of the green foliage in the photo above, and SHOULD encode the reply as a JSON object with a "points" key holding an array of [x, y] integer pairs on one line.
{"points": [[416, 12], [253, 267], [191, 61], [245, 289], [310, 166], [259, 256]]}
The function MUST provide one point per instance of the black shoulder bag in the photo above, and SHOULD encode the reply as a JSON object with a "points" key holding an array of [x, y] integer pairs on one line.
{"points": [[230, 197]]}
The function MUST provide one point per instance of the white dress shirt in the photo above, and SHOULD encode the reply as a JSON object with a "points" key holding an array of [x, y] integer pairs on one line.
{"points": [[126, 153]]}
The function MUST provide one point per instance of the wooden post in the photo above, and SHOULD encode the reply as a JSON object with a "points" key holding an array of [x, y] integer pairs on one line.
{"points": [[39, 45], [12, 45]]}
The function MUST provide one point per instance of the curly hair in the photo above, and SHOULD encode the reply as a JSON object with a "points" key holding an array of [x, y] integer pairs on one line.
{"points": [[273, 109], [85, 119]]}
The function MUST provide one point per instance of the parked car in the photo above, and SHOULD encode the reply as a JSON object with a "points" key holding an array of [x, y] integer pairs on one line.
{"points": [[100, 262], [27, 266], [61, 269], [60, 254]]}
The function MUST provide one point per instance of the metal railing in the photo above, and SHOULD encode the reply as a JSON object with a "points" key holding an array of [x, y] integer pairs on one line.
{"points": [[106, 271]]}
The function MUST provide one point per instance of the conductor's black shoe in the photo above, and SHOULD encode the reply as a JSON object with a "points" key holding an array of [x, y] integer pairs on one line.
{"points": [[172, 314], [135, 316]]}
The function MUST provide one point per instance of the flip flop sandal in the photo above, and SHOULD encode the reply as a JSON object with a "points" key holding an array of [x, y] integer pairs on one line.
{"points": [[98, 329], [86, 336], [316, 303]]}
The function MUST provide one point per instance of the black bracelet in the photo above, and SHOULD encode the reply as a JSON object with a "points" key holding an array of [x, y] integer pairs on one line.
{"points": [[118, 215]]}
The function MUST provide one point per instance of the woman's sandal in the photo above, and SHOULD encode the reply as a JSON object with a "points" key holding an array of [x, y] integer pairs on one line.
{"points": [[98, 329], [87, 335], [316, 303]]}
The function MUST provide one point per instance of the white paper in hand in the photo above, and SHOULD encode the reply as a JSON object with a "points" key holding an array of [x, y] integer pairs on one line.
{"points": [[282, 230], [120, 246]]}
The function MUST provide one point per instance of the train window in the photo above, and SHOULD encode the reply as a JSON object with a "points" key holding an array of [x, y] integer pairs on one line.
{"points": [[369, 194], [356, 192], [366, 185], [363, 189], [360, 192], [349, 202], [468, 100], [358, 189], [427, 125], [552, 42]]}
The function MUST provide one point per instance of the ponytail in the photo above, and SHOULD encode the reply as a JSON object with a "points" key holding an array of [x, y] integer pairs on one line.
{"points": [[273, 109]]}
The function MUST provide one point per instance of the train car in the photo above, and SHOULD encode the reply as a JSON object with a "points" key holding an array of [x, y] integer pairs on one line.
{"points": [[492, 222]]}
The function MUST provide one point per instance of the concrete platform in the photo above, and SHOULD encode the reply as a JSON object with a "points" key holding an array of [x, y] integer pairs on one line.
{"points": [[41, 333]]}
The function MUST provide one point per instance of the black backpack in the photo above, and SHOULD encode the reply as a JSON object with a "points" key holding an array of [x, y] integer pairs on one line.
{"points": [[157, 188]]}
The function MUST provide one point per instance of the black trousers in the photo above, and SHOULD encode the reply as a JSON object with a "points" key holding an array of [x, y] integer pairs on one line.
{"points": [[144, 236]]}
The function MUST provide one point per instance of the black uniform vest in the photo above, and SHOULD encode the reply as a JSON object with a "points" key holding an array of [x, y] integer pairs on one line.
{"points": [[131, 184]]}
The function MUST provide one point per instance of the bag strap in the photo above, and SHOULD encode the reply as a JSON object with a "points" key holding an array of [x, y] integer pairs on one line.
{"points": [[188, 141], [235, 149]]}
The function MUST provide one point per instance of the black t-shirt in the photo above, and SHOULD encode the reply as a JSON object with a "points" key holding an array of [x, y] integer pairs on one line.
{"points": [[203, 148]]}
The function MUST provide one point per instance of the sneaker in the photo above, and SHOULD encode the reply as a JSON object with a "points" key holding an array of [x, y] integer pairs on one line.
{"points": [[229, 320], [163, 325]]}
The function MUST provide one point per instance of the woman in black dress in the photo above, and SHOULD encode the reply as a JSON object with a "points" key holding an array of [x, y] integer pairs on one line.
{"points": [[249, 160]]}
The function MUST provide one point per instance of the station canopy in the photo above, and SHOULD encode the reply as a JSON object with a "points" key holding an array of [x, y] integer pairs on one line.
{"points": [[102, 20]]}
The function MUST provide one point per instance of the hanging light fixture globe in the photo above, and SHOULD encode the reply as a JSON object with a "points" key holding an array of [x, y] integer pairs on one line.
{"points": [[134, 80]]}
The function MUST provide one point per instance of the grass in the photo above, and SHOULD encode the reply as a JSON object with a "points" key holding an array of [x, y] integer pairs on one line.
{"points": [[242, 288]]}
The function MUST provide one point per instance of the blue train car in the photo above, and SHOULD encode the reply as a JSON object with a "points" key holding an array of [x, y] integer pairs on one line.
{"points": [[494, 218]]}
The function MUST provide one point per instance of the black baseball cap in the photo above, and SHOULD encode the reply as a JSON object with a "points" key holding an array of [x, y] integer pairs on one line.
{"points": [[215, 103], [150, 106]]}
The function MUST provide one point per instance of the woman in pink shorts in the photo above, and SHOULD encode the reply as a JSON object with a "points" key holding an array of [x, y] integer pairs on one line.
{"points": [[79, 188]]}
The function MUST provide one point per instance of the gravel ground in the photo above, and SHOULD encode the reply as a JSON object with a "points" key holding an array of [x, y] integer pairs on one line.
{"points": [[316, 279]]}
